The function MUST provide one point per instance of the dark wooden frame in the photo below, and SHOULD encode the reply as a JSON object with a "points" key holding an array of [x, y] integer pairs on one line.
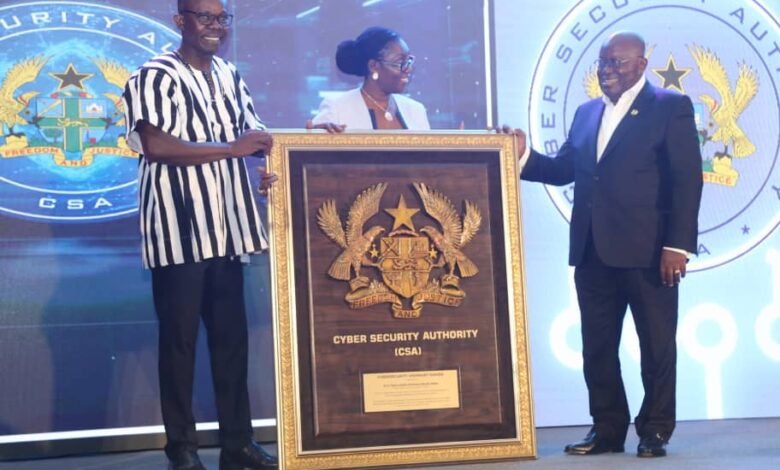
{"points": [[317, 422]]}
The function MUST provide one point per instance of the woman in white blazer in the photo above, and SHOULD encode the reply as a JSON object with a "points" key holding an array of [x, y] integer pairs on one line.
{"points": [[382, 58]]}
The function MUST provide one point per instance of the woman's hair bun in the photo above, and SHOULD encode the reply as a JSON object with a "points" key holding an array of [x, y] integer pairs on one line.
{"points": [[348, 58], [352, 56]]}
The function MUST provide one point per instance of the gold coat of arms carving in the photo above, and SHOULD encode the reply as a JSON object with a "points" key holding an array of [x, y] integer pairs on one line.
{"points": [[407, 259]]}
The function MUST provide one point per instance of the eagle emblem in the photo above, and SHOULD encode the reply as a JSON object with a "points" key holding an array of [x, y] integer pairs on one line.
{"points": [[455, 233], [406, 258], [725, 111], [11, 105], [354, 241]]}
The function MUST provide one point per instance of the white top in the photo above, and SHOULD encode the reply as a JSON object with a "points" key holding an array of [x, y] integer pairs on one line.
{"points": [[350, 108]]}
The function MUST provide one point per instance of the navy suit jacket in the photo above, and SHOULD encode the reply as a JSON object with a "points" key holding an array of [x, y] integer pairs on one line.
{"points": [[644, 192]]}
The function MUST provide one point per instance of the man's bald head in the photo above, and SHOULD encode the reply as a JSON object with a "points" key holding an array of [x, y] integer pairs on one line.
{"points": [[622, 63], [187, 4], [627, 39]]}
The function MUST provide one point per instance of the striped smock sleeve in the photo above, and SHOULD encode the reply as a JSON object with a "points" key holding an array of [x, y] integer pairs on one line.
{"points": [[149, 96], [249, 117]]}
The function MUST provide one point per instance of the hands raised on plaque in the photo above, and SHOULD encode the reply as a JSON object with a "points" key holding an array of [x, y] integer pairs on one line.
{"points": [[520, 139]]}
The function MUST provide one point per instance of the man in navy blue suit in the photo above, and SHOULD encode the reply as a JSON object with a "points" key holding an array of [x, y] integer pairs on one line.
{"points": [[635, 160]]}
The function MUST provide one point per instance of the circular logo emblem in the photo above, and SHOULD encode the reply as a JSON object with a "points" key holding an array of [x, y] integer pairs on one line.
{"points": [[63, 67], [727, 64]]}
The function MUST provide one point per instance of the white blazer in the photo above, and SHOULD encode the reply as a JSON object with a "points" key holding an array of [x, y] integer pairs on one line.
{"points": [[349, 108]]}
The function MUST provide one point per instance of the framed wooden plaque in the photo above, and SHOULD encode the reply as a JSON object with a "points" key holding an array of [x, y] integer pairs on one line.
{"points": [[399, 303]]}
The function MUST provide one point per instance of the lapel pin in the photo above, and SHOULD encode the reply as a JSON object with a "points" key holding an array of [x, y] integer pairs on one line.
{"points": [[634, 112]]}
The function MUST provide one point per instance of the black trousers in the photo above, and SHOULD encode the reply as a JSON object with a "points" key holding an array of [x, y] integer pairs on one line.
{"points": [[603, 294], [212, 291]]}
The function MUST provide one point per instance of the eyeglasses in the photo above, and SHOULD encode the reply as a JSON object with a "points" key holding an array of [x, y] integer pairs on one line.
{"points": [[404, 65], [205, 18], [613, 63]]}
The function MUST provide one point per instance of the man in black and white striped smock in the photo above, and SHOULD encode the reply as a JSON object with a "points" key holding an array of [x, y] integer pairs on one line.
{"points": [[190, 116]]}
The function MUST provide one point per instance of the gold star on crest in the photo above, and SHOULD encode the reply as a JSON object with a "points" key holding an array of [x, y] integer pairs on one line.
{"points": [[71, 78], [402, 214]]}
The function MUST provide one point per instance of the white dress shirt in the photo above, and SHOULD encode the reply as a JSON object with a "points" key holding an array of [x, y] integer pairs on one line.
{"points": [[614, 113]]}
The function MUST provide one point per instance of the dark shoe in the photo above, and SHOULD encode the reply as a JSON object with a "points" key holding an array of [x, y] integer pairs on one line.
{"points": [[185, 459], [594, 443], [250, 456], [651, 446]]}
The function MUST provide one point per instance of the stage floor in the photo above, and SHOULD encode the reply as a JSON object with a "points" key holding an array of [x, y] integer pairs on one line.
{"points": [[752, 444]]}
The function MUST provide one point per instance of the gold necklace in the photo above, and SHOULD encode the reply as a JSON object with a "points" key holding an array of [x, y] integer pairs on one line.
{"points": [[388, 114]]}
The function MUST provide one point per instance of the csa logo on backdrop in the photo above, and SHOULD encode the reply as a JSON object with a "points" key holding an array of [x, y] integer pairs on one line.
{"points": [[63, 66], [725, 56]]}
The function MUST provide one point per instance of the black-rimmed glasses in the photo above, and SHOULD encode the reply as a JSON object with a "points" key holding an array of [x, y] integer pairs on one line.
{"points": [[205, 18], [404, 65]]}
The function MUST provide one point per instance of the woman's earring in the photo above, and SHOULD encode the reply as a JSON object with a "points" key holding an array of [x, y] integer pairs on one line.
{"points": [[375, 76]]}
